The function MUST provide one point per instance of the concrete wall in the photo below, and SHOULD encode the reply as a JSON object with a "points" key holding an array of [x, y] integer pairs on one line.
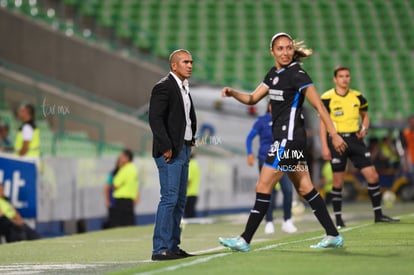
{"points": [[38, 47], [56, 106], [70, 188]]}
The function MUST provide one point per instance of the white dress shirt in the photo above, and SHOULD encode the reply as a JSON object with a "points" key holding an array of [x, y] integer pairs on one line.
{"points": [[184, 87]]}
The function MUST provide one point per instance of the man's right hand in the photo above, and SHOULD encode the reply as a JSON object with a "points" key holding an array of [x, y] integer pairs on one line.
{"points": [[167, 155]]}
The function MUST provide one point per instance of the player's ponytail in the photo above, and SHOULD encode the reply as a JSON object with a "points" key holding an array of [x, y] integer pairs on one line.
{"points": [[301, 51]]}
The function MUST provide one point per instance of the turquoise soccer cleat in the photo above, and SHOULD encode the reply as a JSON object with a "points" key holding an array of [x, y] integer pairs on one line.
{"points": [[237, 243], [329, 241]]}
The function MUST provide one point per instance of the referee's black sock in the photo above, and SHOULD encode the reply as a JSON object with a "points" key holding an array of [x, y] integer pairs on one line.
{"points": [[337, 204], [256, 216], [375, 196], [321, 212]]}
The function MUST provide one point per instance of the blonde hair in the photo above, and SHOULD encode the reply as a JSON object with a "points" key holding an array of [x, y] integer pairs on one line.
{"points": [[301, 51]]}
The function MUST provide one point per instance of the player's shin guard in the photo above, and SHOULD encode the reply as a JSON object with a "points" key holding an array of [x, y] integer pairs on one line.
{"points": [[321, 212], [375, 196], [256, 216]]}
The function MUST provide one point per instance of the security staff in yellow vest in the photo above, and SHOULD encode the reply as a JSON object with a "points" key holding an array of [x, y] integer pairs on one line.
{"points": [[126, 186], [193, 187], [27, 142], [12, 226]]}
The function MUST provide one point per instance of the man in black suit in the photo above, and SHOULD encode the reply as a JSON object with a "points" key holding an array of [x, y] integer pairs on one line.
{"points": [[173, 123]]}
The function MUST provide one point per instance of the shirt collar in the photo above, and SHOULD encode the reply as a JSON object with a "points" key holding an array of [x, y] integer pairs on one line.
{"points": [[287, 67], [179, 82]]}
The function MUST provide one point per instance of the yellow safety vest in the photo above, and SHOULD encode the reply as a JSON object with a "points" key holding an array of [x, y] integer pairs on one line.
{"points": [[126, 182], [34, 144], [193, 178], [7, 209]]}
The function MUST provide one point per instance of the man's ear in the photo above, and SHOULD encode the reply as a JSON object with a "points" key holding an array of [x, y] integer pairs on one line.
{"points": [[173, 66]]}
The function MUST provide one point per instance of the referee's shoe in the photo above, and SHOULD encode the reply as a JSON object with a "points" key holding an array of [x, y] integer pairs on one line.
{"points": [[384, 218]]}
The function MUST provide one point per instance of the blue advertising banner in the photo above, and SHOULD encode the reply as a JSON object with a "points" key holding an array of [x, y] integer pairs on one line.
{"points": [[19, 182]]}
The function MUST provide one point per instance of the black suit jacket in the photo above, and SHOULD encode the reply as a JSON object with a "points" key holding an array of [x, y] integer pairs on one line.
{"points": [[167, 117]]}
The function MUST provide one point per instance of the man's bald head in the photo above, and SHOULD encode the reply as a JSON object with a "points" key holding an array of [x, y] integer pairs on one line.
{"points": [[174, 56]]}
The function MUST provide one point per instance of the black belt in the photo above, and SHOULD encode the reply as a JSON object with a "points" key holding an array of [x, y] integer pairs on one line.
{"points": [[347, 134], [188, 142]]}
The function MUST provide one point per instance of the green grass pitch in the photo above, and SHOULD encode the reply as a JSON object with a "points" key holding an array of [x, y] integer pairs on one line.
{"points": [[369, 249]]}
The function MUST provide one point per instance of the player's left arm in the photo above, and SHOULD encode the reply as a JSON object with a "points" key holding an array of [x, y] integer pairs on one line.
{"points": [[364, 124], [363, 113], [313, 97]]}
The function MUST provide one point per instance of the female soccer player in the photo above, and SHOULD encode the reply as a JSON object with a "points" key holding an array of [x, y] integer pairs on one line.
{"points": [[287, 85]]}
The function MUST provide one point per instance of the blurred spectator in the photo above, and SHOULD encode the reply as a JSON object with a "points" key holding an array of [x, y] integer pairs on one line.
{"points": [[27, 142], [12, 226], [374, 148], [388, 153], [126, 186], [408, 144], [193, 187], [327, 181], [5, 143], [109, 197]]}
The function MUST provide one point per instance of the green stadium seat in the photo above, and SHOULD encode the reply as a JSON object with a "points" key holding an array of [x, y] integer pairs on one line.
{"points": [[142, 40], [363, 35], [71, 2], [89, 7], [124, 30]]}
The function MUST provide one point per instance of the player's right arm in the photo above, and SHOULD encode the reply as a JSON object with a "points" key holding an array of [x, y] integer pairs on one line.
{"points": [[246, 98]]}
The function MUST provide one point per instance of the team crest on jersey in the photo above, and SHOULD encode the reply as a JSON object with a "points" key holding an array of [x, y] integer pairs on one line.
{"points": [[275, 80]]}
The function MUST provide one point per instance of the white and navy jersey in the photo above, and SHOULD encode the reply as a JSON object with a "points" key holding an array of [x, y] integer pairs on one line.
{"points": [[286, 97]]}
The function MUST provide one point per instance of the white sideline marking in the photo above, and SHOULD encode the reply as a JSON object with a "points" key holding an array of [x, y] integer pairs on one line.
{"points": [[208, 258], [36, 268], [175, 267]]}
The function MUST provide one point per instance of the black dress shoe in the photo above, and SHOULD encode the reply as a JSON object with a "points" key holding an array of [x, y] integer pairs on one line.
{"points": [[384, 218], [166, 255], [183, 254]]}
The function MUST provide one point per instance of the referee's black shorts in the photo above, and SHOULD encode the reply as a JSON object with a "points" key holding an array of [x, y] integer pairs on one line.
{"points": [[357, 152]]}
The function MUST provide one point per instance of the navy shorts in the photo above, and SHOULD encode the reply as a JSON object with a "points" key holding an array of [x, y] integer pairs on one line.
{"points": [[357, 152], [287, 156]]}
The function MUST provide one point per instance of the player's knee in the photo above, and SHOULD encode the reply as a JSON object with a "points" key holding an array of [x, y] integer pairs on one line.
{"points": [[370, 174], [373, 178], [264, 187]]}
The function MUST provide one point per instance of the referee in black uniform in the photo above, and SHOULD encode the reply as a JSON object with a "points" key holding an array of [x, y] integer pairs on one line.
{"points": [[348, 110]]}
